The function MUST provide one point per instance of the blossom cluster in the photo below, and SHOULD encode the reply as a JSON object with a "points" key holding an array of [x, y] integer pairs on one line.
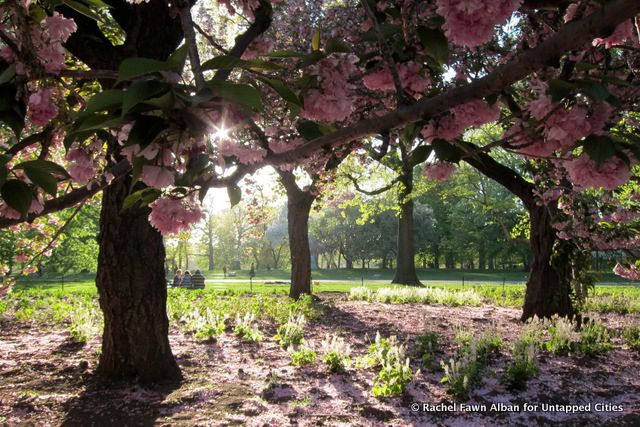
{"points": [[471, 22], [332, 101], [171, 216]]}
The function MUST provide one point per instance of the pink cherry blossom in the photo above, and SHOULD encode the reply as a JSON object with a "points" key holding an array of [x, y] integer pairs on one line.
{"points": [[471, 22], [630, 272], [171, 216], [439, 171], [333, 100], [409, 74], [622, 33], [157, 176], [7, 212], [609, 175], [22, 257], [81, 166], [245, 155], [59, 28], [41, 106]]}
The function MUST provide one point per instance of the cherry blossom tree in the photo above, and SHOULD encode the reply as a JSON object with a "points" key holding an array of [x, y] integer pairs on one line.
{"points": [[95, 99]]}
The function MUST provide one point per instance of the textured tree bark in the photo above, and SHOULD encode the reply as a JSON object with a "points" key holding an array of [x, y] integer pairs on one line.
{"points": [[133, 293], [547, 292], [131, 277], [405, 259], [298, 207]]}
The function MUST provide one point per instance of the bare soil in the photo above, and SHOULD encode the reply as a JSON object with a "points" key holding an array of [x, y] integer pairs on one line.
{"points": [[47, 380]]}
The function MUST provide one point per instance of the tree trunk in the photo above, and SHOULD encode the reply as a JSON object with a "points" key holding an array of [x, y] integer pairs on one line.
{"points": [[547, 292], [210, 243], [133, 293], [298, 207], [482, 256], [405, 260]]}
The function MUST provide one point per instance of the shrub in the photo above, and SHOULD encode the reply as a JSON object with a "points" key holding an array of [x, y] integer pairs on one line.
{"points": [[395, 370]]}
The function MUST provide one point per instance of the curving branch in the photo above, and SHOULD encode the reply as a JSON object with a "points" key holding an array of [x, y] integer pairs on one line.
{"points": [[375, 192], [571, 36]]}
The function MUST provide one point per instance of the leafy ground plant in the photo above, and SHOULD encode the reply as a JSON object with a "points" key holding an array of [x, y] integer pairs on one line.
{"points": [[427, 346], [395, 370], [292, 332], [302, 356], [631, 336], [205, 324], [246, 329], [463, 373], [523, 365], [84, 322], [594, 338], [562, 335], [336, 353]]}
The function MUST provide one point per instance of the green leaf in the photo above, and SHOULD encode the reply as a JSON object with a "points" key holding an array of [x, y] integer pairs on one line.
{"points": [[420, 154], [8, 74], [237, 93], [445, 151], [282, 90], [315, 40], [337, 45], [286, 54], [387, 30], [599, 147], [144, 196], [14, 120], [310, 130], [435, 44], [145, 130], [17, 195], [140, 91], [176, 61], [44, 165], [235, 194], [131, 68], [164, 102], [95, 122], [560, 89], [594, 90], [83, 10], [311, 58], [42, 179], [228, 62], [110, 99]]}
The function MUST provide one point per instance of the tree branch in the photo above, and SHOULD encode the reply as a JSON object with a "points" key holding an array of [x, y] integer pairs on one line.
{"points": [[571, 36], [375, 192], [119, 170]]}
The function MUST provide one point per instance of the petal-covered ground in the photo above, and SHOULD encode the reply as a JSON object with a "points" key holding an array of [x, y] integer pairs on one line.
{"points": [[46, 379]]}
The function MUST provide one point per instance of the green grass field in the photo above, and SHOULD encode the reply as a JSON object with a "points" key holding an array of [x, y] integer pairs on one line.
{"points": [[617, 297]]}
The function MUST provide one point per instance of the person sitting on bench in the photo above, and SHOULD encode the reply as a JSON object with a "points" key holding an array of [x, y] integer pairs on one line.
{"points": [[197, 280], [186, 280]]}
